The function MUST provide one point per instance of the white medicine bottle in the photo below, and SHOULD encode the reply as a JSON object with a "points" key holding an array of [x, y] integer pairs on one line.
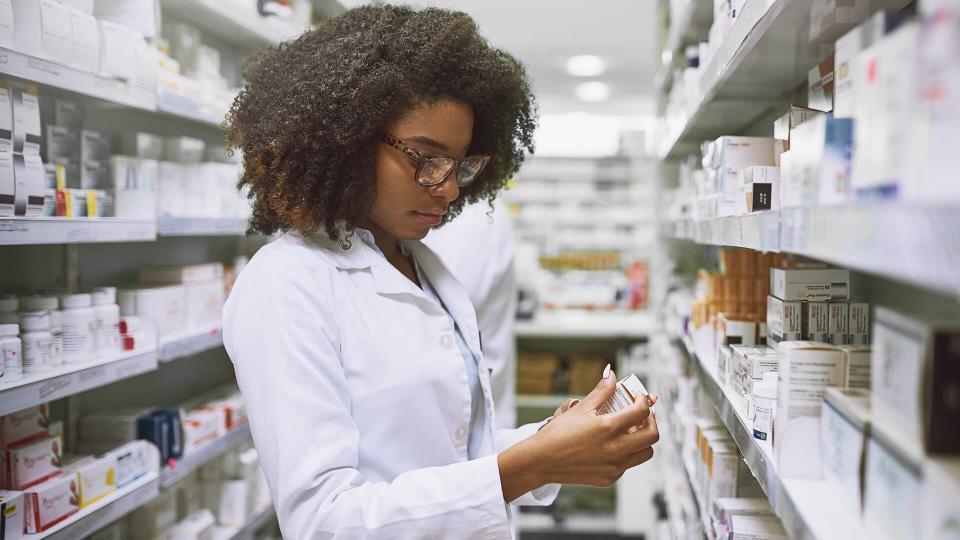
{"points": [[108, 321], [51, 305], [11, 352], [79, 328], [35, 336], [764, 399]]}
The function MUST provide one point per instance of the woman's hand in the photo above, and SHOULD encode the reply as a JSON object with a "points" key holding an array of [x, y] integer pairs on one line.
{"points": [[580, 446]]}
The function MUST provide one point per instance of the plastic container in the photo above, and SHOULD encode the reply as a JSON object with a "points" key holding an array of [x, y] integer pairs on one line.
{"points": [[108, 321], [51, 305], [11, 352], [764, 400], [79, 328], [35, 337], [9, 309]]}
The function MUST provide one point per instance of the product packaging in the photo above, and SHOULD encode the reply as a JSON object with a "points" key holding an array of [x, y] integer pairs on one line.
{"points": [[12, 510], [134, 460], [193, 527], [811, 284], [762, 408], [856, 366], [754, 527], [763, 185], [820, 82], [721, 469], [201, 427], [96, 476], [806, 370], [84, 41], [817, 317], [858, 326], [628, 390], [42, 28], [784, 125], [141, 145], [51, 502], [8, 183], [893, 485], [784, 320], [165, 307], [725, 508], [839, 322], [24, 426], [844, 428], [142, 16], [30, 463], [156, 517], [118, 50]]}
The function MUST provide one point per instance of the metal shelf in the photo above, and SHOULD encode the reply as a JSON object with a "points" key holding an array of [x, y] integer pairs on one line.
{"points": [[805, 507], [174, 226], [241, 27], [582, 324], [48, 230], [766, 55], [191, 344], [187, 464], [105, 511], [22, 66], [70, 379]]}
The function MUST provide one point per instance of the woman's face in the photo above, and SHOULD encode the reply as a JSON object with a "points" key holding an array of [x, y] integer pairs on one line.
{"points": [[403, 209]]}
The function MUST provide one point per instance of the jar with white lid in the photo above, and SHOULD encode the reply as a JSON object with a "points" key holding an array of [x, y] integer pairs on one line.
{"points": [[79, 328], [35, 337], [108, 340], [51, 305], [9, 309], [11, 353], [764, 401]]}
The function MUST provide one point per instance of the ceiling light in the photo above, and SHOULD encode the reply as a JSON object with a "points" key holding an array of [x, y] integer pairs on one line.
{"points": [[586, 65], [593, 91]]}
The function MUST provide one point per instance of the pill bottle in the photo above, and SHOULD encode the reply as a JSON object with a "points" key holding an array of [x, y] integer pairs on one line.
{"points": [[79, 328], [9, 309], [50, 304], [108, 321], [35, 337], [764, 400], [10, 353]]}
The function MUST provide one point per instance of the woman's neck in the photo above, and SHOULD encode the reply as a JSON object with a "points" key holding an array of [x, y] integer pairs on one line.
{"points": [[388, 244]]}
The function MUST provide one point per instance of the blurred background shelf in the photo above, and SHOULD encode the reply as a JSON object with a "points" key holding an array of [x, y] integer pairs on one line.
{"points": [[49, 230], [587, 324], [190, 344], [231, 22], [105, 511], [187, 464], [173, 226]]}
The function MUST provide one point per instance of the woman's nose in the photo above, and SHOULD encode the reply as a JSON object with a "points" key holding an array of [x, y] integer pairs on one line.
{"points": [[448, 190]]}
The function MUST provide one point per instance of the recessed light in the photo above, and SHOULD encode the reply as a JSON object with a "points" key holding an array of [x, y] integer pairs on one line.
{"points": [[593, 91], [586, 65]]}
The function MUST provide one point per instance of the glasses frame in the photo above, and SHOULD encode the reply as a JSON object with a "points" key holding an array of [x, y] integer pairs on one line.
{"points": [[420, 159]]}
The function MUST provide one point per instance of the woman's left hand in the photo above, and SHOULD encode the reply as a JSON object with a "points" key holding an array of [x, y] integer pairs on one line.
{"points": [[652, 400]]}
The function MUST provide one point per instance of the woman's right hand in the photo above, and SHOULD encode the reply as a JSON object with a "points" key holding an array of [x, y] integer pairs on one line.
{"points": [[581, 446]]}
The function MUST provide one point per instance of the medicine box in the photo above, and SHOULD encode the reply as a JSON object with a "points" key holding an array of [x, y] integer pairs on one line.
{"points": [[24, 426], [915, 377], [763, 183], [141, 15], [806, 370], [628, 390], [6, 24], [810, 284], [28, 464], [893, 486], [197, 525], [797, 115], [858, 326], [96, 477], [29, 185], [134, 460], [165, 306], [817, 317], [118, 50], [201, 427], [725, 508], [754, 527], [844, 428], [820, 83], [84, 41], [8, 190], [722, 461], [784, 320], [838, 323], [12, 508], [27, 135], [41, 28], [51, 502], [6, 118], [856, 366]]}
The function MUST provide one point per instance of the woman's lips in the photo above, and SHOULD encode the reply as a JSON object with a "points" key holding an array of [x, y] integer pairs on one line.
{"points": [[428, 219]]}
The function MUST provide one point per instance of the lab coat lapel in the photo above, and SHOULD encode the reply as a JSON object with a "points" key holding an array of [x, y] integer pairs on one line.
{"points": [[386, 279]]}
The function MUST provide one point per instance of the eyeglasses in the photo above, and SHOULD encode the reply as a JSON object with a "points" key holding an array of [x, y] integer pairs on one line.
{"points": [[433, 170]]}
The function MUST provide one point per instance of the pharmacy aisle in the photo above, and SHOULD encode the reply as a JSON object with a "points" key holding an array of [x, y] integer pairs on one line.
{"points": [[121, 233], [805, 356]]}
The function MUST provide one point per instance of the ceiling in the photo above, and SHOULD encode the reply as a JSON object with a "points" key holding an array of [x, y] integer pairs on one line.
{"points": [[543, 34]]}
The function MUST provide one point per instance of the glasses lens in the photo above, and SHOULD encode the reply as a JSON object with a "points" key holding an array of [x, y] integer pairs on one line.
{"points": [[470, 170], [434, 170]]}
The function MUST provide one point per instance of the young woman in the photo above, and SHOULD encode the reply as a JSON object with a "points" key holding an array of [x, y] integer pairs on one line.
{"points": [[356, 350]]}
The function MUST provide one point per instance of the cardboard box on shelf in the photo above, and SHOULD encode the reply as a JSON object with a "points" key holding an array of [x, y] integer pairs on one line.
{"points": [[844, 428], [797, 115], [118, 50], [13, 510], [784, 320], [51, 502], [30, 463], [857, 366], [84, 41], [41, 28], [96, 476], [810, 284], [893, 485], [821, 164], [820, 83], [839, 323], [27, 132], [28, 425]]}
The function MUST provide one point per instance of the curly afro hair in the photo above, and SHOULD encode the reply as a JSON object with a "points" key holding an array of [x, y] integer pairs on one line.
{"points": [[313, 110]]}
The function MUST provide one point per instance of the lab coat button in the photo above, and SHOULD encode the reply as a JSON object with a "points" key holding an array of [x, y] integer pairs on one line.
{"points": [[446, 341], [461, 432]]}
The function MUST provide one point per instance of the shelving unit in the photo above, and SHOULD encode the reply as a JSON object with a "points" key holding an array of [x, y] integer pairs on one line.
{"points": [[190, 344], [543, 523], [46, 230], [105, 511], [687, 27], [70, 379], [577, 324], [171, 226], [258, 520], [187, 464], [807, 508], [240, 27]]}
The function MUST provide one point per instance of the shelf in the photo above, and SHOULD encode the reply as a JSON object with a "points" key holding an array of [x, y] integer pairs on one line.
{"points": [[22, 66], [48, 230], [190, 344], [190, 462], [766, 55], [259, 519], [585, 524], [69, 379], [541, 402], [105, 511], [805, 507], [690, 26], [582, 324], [174, 226], [759, 231], [234, 24], [187, 108]]}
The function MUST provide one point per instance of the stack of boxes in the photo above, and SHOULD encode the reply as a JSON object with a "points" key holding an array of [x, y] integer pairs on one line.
{"points": [[740, 176], [536, 373]]}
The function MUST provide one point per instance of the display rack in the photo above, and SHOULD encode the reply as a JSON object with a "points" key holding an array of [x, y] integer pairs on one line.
{"points": [[173, 226], [105, 511], [69, 379], [688, 26], [260, 518], [241, 27], [182, 467], [806, 507], [186, 108], [583, 324], [529, 522], [190, 344], [48, 230], [765, 56]]}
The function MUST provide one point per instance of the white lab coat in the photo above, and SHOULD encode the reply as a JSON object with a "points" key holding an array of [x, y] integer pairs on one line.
{"points": [[477, 247], [357, 395]]}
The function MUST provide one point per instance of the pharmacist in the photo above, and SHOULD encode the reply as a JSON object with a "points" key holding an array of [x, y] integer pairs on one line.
{"points": [[357, 352]]}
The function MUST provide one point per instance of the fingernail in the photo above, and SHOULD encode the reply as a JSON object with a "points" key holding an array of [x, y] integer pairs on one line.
{"points": [[606, 371], [573, 403]]}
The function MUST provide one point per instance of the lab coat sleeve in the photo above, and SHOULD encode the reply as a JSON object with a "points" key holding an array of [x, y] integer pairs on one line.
{"points": [[505, 438], [281, 335]]}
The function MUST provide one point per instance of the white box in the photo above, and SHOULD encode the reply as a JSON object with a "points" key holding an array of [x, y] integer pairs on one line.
{"points": [[784, 320], [51, 502], [140, 15], [6, 25], [182, 275], [42, 28], [30, 187], [166, 307], [893, 487], [721, 469], [30, 463], [85, 41], [134, 460], [97, 477], [810, 284], [914, 377], [6, 119], [839, 322], [856, 366], [13, 507], [205, 304], [763, 182], [236, 503], [134, 181], [201, 427], [24, 426], [27, 136], [755, 528], [858, 326], [118, 50], [818, 322], [843, 442], [806, 370]]}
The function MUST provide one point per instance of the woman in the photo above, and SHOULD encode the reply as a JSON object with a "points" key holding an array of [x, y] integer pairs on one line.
{"points": [[356, 350]]}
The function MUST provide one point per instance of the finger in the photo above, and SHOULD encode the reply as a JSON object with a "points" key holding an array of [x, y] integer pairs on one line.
{"points": [[638, 458], [634, 415], [603, 391], [573, 403], [645, 436], [652, 399]]}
